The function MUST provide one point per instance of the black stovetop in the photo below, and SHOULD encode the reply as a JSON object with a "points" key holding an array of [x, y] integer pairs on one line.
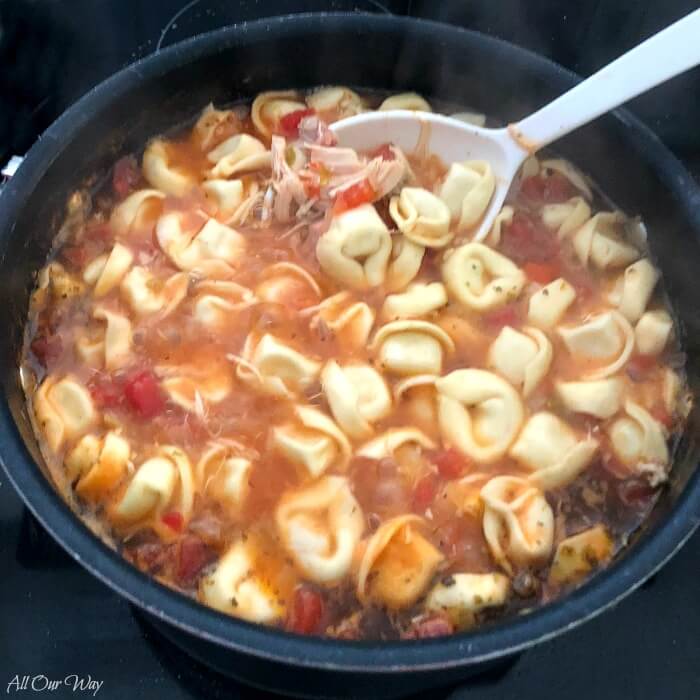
{"points": [[57, 622]]}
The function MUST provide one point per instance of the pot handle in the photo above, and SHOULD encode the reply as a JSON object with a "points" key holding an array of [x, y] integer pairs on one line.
{"points": [[672, 51]]}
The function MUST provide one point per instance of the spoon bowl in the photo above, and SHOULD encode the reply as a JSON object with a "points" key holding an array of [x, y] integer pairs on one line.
{"points": [[663, 56], [451, 140]]}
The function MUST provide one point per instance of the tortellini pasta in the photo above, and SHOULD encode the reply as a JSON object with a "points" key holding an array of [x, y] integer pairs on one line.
{"points": [[461, 596], [98, 465], [411, 347], [284, 280], [217, 302], [419, 299], [138, 212], [211, 250], [480, 278], [320, 526], [422, 217], [638, 440], [64, 410], [606, 337], [112, 349], [223, 474], [551, 450], [548, 305], [338, 101], [226, 195], [601, 398], [272, 366], [467, 190], [505, 216], [313, 441], [357, 395], [396, 563], [238, 154], [348, 320], [192, 387], [635, 289], [163, 483], [405, 100], [210, 125], [269, 107], [161, 174], [566, 217], [404, 262], [576, 556], [479, 413], [653, 331], [386, 444], [107, 271], [523, 358], [598, 242], [146, 294], [355, 250], [518, 523], [237, 587]]}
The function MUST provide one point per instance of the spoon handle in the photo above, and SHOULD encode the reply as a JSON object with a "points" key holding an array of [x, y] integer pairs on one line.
{"points": [[659, 58]]}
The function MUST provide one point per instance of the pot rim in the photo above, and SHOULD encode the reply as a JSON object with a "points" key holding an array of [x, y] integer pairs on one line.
{"points": [[603, 591]]}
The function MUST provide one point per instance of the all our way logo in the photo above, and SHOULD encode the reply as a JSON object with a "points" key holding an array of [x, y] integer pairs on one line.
{"points": [[44, 684]]}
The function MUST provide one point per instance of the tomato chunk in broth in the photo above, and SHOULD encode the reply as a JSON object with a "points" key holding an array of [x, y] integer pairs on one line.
{"points": [[283, 377]]}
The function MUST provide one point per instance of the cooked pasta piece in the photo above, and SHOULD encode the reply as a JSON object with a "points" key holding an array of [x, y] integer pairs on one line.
{"points": [[422, 217], [223, 475], [601, 398], [161, 174], [348, 320], [548, 305], [599, 242], [578, 555], [270, 107], [653, 331], [467, 191], [404, 262], [406, 100], [137, 213]]}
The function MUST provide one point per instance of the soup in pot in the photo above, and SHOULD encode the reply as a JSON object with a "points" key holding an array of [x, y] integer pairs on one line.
{"points": [[280, 376]]}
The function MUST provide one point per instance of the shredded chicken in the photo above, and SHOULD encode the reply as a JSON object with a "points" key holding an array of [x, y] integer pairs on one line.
{"points": [[289, 189], [337, 160], [313, 130]]}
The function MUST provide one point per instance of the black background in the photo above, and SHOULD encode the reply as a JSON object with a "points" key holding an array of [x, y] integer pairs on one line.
{"points": [[56, 620]]}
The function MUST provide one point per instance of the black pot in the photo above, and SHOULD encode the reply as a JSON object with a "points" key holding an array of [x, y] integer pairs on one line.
{"points": [[628, 161]]}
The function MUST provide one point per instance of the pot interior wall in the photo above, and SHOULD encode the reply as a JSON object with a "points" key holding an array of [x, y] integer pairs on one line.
{"points": [[461, 68]]}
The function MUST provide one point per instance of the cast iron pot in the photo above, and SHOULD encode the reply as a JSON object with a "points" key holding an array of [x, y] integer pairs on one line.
{"points": [[506, 82]]}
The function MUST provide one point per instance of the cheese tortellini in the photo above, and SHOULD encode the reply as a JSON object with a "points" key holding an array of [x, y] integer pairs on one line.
{"points": [[192, 387], [606, 337], [422, 217], [64, 410], [566, 217], [269, 108], [107, 271], [238, 154], [411, 347], [338, 101], [313, 441], [223, 473], [396, 563], [350, 321], [218, 301], [601, 398], [146, 294], [518, 523], [577, 555], [523, 358], [653, 331], [112, 349], [357, 395], [464, 595], [237, 587], [551, 450], [480, 278], [404, 262], [161, 174], [137, 213], [467, 190], [406, 100], [548, 305], [320, 527], [479, 413], [355, 250], [274, 367], [599, 243], [418, 300]]}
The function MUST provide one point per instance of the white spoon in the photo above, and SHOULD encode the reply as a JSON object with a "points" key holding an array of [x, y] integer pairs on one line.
{"points": [[663, 56]]}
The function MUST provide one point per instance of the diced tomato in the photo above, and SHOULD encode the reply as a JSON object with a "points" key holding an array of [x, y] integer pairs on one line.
{"points": [[450, 463], [429, 627], [76, 256], [542, 273], [312, 188], [660, 413], [424, 492], [192, 556], [143, 394], [549, 189], [106, 391], [524, 239], [307, 611], [173, 520], [384, 152], [639, 365], [355, 195], [289, 123], [47, 349], [636, 493], [505, 316], [125, 176]]}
